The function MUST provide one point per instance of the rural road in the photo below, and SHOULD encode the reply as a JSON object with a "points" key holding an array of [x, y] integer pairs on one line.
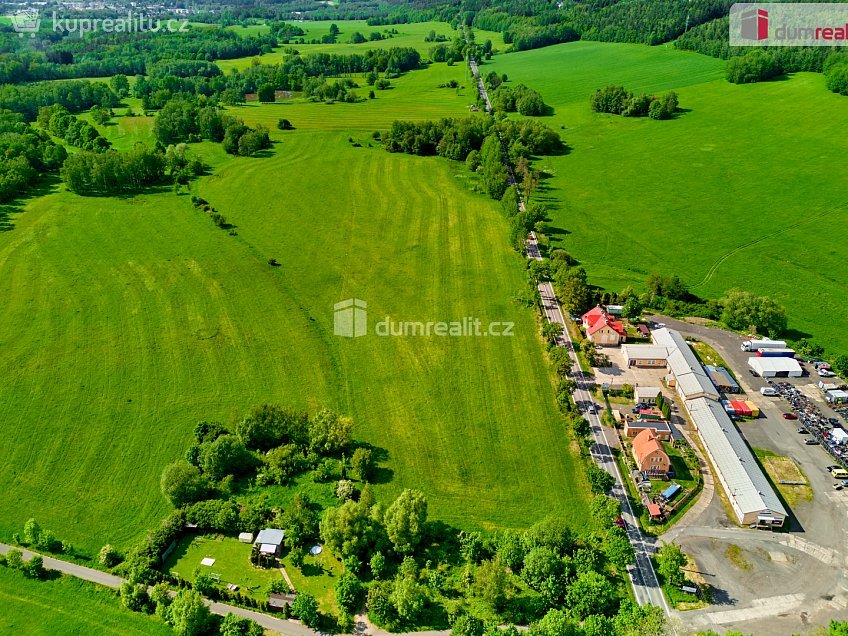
{"points": [[643, 578], [281, 626]]}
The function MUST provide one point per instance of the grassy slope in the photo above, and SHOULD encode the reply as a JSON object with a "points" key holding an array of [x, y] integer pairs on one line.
{"points": [[67, 606], [690, 196], [130, 319]]}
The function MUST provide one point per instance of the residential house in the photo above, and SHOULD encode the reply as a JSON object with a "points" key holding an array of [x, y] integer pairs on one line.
{"points": [[602, 329], [650, 454]]}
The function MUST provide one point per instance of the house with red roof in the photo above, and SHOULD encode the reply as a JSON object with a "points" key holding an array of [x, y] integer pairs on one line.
{"points": [[602, 329]]}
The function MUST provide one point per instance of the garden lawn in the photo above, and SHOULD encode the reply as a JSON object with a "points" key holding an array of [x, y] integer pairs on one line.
{"points": [[66, 605], [741, 189], [317, 577], [232, 563]]}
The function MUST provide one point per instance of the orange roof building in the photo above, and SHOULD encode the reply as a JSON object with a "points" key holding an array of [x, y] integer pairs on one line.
{"points": [[650, 454]]}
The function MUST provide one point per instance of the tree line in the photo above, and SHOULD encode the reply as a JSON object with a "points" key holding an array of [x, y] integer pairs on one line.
{"points": [[25, 155], [107, 54], [75, 96], [746, 65], [188, 120]]}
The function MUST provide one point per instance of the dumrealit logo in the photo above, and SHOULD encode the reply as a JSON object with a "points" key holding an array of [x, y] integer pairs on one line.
{"points": [[789, 24], [350, 318], [755, 24]]}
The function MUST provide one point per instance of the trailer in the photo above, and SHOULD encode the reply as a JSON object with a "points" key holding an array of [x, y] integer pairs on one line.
{"points": [[776, 353], [756, 345]]}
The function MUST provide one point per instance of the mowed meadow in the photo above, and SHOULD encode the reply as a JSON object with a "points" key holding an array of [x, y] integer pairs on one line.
{"points": [[743, 188], [127, 320]]}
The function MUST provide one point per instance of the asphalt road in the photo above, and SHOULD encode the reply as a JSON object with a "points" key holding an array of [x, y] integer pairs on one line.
{"points": [[643, 578]]}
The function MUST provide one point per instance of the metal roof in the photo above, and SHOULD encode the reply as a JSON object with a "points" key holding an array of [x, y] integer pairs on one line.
{"points": [[644, 352], [693, 385], [271, 536], [647, 391], [774, 365], [721, 376], [747, 486]]}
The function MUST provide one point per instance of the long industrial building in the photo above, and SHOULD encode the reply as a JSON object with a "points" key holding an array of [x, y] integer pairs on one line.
{"points": [[751, 496]]}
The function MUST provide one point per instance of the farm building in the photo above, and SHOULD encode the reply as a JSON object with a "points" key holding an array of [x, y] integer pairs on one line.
{"points": [[602, 329], [776, 367], [751, 496], [642, 355], [646, 394], [660, 429], [722, 379], [270, 540], [650, 455], [837, 396]]}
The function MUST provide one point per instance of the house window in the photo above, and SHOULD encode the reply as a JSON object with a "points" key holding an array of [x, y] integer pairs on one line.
{"points": [[651, 362]]}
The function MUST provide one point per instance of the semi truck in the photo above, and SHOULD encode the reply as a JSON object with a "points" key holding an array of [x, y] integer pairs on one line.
{"points": [[775, 353], [756, 345]]}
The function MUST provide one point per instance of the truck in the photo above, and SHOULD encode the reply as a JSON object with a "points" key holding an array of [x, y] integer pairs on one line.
{"points": [[756, 345], [776, 353]]}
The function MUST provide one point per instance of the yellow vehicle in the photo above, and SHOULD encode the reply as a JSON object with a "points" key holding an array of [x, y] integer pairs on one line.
{"points": [[839, 473]]}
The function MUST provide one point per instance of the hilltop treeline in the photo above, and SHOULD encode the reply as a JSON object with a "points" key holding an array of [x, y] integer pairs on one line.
{"points": [[529, 24]]}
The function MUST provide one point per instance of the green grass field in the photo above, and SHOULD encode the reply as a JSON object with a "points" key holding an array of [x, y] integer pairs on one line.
{"points": [[739, 190], [409, 35], [129, 319], [67, 606]]}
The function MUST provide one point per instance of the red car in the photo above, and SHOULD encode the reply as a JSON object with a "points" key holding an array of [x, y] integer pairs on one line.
{"points": [[620, 523], [790, 416]]}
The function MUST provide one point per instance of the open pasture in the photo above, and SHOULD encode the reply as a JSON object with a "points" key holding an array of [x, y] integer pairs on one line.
{"points": [[131, 318], [741, 189]]}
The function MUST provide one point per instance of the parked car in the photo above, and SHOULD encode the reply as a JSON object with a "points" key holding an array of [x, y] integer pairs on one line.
{"points": [[620, 522], [830, 468], [754, 373], [844, 482], [592, 409], [790, 416], [801, 429], [811, 442], [769, 391], [837, 486], [826, 373]]}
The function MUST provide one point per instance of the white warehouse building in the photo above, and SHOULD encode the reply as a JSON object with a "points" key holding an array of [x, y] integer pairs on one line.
{"points": [[776, 367], [751, 496]]}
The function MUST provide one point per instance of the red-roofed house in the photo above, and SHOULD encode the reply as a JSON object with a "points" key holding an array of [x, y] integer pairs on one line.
{"points": [[602, 329], [649, 454]]}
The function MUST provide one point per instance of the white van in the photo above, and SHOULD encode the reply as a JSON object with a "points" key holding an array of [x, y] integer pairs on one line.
{"points": [[769, 391]]}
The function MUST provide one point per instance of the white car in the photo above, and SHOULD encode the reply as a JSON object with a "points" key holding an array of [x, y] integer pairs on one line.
{"points": [[826, 373], [768, 391]]}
